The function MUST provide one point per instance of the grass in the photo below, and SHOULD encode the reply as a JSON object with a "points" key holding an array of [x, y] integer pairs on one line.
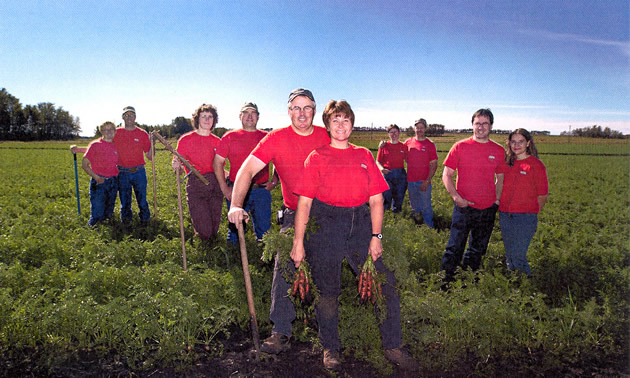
{"points": [[65, 287]]}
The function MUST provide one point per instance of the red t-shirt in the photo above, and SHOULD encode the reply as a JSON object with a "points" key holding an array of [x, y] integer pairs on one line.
{"points": [[236, 145], [288, 150], [522, 184], [420, 154], [131, 146], [476, 164], [392, 156], [341, 177], [198, 150], [103, 158]]}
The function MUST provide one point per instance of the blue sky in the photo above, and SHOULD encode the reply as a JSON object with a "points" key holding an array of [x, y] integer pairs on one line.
{"points": [[542, 65]]}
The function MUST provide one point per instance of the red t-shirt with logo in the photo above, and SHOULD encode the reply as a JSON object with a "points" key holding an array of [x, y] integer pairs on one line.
{"points": [[341, 177], [103, 158], [420, 154], [198, 150], [131, 144], [392, 156], [236, 145], [476, 164], [288, 150], [522, 184]]}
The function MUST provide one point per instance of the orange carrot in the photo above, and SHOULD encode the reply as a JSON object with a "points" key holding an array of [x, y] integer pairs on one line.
{"points": [[296, 282], [360, 281]]}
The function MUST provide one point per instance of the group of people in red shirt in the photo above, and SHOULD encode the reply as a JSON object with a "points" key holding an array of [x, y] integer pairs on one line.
{"points": [[337, 185], [420, 154], [487, 183], [115, 163], [341, 187]]}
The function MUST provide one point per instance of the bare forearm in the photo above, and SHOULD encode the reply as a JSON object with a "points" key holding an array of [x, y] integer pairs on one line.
{"points": [[499, 186], [447, 180], [217, 165], [85, 164], [432, 169], [243, 180], [376, 213], [542, 200], [301, 218]]}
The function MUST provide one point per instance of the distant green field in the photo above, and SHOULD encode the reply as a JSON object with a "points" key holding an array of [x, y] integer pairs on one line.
{"points": [[545, 144]]}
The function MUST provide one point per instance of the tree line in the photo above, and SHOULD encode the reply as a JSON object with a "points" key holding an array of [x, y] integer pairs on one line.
{"points": [[43, 121], [595, 131]]}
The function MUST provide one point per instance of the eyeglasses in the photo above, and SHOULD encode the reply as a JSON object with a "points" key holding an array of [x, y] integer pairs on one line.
{"points": [[484, 124], [306, 109]]}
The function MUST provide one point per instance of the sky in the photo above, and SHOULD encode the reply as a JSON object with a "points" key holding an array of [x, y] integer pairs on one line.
{"points": [[539, 64]]}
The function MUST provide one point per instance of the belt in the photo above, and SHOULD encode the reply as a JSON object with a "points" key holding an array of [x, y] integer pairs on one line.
{"points": [[130, 170]]}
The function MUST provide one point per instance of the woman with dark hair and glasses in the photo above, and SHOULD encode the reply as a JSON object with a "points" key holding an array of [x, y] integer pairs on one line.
{"points": [[525, 191], [198, 147]]}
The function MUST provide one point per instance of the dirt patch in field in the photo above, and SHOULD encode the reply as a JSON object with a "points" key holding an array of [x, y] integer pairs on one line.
{"points": [[237, 360]]}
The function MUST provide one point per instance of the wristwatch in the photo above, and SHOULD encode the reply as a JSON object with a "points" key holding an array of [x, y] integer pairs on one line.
{"points": [[380, 236]]}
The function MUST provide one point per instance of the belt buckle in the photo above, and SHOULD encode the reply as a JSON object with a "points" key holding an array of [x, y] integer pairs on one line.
{"points": [[133, 170]]}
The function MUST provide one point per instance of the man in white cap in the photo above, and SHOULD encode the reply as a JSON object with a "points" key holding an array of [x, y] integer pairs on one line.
{"points": [[133, 144], [287, 148]]}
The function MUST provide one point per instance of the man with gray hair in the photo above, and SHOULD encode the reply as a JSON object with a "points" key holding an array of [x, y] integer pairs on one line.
{"points": [[287, 148]]}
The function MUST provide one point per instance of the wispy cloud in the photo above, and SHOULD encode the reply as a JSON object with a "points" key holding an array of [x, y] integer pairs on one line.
{"points": [[623, 46]]}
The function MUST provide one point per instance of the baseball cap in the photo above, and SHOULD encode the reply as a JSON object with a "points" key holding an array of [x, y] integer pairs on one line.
{"points": [[249, 105], [129, 109], [301, 92], [420, 120]]}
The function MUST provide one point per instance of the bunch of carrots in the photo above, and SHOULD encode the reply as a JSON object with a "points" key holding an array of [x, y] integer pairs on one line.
{"points": [[369, 283], [302, 283]]}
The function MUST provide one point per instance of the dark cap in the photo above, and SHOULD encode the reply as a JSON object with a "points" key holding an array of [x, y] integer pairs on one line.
{"points": [[422, 121], [301, 92], [249, 105], [129, 109]]}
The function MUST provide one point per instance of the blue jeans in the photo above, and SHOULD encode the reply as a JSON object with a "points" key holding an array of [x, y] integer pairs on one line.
{"points": [[421, 201], [102, 199], [135, 178], [346, 233], [259, 207], [468, 221], [282, 312], [397, 181], [517, 231]]}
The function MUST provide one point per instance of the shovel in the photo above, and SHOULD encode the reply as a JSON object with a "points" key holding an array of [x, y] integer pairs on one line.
{"points": [[248, 287]]}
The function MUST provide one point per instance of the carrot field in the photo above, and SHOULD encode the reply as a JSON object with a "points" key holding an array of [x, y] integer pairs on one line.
{"points": [[121, 293]]}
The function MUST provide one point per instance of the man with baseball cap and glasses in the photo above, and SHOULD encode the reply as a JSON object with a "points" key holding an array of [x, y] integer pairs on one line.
{"points": [[287, 148]]}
